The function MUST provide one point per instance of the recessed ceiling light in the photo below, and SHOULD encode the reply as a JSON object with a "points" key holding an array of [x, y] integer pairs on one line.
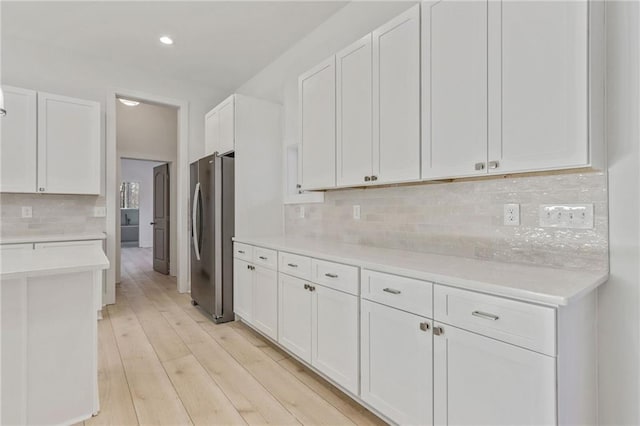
{"points": [[129, 102], [166, 40]]}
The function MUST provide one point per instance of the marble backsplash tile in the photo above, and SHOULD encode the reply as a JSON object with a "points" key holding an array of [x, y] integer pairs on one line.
{"points": [[465, 218], [51, 214]]}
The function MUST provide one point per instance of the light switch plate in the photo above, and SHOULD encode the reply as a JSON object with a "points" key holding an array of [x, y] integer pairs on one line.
{"points": [[512, 214], [576, 216], [27, 212], [356, 212], [99, 211]]}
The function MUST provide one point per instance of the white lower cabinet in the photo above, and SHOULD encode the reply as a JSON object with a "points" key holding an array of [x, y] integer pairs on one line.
{"points": [[294, 316], [482, 381], [320, 326], [265, 301], [242, 289], [396, 370]]}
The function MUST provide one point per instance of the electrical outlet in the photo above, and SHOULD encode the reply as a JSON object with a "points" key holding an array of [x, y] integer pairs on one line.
{"points": [[356, 212], [27, 212], [577, 216], [99, 211], [301, 212], [512, 214]]}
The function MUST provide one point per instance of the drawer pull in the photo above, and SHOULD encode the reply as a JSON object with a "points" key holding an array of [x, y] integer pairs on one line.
{"points": [[438, 331], [485, 315], [391, 290], [306, 286], [424, 326], [292, 265], [241, 251], [263, 258], [331, 275]]}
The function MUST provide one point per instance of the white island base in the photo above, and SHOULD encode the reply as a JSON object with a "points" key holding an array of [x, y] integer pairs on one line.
{"points": [[49, 311]]}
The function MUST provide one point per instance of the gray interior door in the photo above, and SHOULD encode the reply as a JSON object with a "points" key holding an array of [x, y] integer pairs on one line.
{"points": [[161, 219]]}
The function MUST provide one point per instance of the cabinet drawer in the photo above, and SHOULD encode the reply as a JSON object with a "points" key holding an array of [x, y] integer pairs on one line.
{"points": [[519, 323], [408, 294], [335, 275], [243, 251], [296, 265], [265, 257]]}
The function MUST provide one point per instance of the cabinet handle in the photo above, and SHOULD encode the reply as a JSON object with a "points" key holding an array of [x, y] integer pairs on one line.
{"points": [[494, 164], [374, 178], [485, 315], [367, 178], [479, 166], [391, 290], [249, 267], [424, 326], [312, 288], [438, 331], [263, 258], [306, 286], [292, 265], [331, 275], [241, 251], [41, 189]]}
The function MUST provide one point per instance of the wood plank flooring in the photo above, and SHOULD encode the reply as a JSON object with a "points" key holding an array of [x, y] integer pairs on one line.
{"points": [[161, 361]]}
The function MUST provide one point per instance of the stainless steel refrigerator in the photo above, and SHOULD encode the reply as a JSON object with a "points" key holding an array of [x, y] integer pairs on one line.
{"points": [[212, 228]]}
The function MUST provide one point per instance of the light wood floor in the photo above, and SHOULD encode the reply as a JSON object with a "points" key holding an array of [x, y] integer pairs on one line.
{"points": [[163, 362]]}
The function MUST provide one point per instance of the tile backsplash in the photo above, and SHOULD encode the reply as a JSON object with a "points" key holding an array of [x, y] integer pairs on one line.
{"points": [[51, 214], [465, 218]]}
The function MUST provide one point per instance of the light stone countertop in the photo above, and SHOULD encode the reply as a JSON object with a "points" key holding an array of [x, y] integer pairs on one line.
{"points": [[51, 261], [536, 284], [81, 236]]}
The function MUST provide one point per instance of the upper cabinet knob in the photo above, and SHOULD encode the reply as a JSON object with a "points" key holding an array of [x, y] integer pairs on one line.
{"points": [[479, 166], [374, 178], [494, 164], [367, 178]]}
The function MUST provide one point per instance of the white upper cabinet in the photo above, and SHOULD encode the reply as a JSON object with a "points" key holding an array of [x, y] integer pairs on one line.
{"points": [[68, 145], [219, 128], [19, 143], [539, 65], [454, 87], [317, 121], [523, 91], [354, 113], [396, 99], [226, 111], [211, 131]]}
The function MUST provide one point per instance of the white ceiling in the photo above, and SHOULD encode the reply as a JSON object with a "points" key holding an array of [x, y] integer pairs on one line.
{"points": [[219, 44]]}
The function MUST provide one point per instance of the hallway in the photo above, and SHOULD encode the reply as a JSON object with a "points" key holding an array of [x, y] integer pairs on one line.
{"points": [[161, 361]]}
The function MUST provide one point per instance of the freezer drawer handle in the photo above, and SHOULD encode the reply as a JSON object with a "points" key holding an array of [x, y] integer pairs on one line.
{"points": [[292, 265], [331, 275], [391, 290], [485, 315]]}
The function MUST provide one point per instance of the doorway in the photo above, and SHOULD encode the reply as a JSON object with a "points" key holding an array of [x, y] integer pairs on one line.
{"points": [[145, 211]]}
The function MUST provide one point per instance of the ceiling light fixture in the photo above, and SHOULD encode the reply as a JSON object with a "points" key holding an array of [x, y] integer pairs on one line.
{"points": [[166, 40], [129, 102]]}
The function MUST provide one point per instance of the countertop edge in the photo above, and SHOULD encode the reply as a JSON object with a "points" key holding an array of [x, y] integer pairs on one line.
{"points": [[53, 238], [449, 280]]}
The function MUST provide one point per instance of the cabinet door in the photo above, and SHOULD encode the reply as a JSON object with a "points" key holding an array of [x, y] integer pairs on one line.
{"points": [[538, 68], [211, 132], [482, 381], [226, 111], [354, 113], [396, 98], [294, 316], [265, 301], [454, 127], [19, 144], [396, 365], [68, 145], [334, 348], [242, 290], [317, 104]]}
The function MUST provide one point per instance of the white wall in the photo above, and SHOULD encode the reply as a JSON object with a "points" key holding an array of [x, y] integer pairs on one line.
{"points": [[142, 172], [619, 299]]}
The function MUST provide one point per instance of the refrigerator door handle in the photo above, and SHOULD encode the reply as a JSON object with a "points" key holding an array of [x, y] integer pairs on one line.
{"points": [[194, 218], [217, 235]]}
